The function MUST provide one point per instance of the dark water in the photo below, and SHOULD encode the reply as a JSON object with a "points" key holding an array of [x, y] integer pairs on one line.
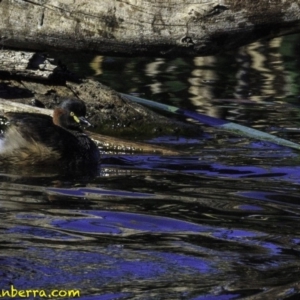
{"points": [[220, 221]]}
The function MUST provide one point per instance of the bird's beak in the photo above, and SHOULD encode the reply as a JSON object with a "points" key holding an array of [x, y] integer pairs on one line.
{"points": [[80, 120], [83, 121]]}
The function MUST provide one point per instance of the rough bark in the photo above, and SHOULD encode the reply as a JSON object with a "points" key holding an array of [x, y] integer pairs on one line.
{"points": [[144, 27]]}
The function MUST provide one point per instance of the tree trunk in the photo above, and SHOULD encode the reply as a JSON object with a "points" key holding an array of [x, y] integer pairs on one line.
{"points": [[144, 27]]}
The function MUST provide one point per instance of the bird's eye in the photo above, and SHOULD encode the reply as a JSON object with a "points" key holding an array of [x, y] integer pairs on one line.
{"points": [[74, 117]]}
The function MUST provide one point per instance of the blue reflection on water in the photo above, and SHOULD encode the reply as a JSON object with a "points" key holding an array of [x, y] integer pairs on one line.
{"points": [[88, 225], [114, 222], [83, 192], [187, 263], [107, 296], [248, 207], [45, 233], [81, 267], [221, 297], [197, 165]]}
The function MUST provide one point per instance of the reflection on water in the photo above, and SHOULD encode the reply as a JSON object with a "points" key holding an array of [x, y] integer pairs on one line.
{"points": [[255, 72], [219, 221], [151, 227]]}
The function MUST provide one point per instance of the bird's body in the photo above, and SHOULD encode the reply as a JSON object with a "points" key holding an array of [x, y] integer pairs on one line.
{"points": [[37, 139]]}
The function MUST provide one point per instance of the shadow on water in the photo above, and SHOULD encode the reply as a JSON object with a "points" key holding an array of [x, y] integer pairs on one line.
{"points": [[218, 222]]}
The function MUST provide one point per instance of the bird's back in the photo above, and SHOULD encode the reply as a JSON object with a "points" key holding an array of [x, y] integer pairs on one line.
{"points": [[35, 139]]}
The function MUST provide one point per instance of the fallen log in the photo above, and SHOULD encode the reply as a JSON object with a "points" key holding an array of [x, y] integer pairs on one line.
{"points": [[144, 27]]}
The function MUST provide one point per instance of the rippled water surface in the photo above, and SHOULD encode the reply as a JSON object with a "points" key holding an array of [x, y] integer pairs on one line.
{"points": [[220, 220]]}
